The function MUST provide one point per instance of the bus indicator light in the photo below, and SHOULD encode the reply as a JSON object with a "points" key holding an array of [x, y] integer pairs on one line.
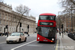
{"points": [[51, 41]]}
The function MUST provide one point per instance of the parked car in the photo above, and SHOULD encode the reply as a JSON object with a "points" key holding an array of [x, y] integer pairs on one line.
{"points": [[72, 35], [1, 34], [16, 37]]}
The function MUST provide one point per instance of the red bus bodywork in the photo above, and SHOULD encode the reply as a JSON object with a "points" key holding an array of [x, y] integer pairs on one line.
{"points": [[41, 38], [48, 14]]}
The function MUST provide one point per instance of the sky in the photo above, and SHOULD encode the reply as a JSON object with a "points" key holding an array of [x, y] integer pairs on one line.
{"points": [[37, 6]]}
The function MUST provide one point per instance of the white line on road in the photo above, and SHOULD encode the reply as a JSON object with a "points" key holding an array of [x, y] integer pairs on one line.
{"points": [[23, 45], [61, 45]]}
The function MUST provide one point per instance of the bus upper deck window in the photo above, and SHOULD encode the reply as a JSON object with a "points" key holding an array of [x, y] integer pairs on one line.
{"points": [[51, 17]]}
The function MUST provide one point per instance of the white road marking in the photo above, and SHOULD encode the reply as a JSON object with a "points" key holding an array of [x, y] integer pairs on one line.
{"points": [[23, 45], [61, 45], [34, 45]]}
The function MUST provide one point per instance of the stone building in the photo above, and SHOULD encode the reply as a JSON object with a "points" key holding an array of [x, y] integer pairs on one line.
{"points": [[67, 22], [10, 18], [70, 23]]}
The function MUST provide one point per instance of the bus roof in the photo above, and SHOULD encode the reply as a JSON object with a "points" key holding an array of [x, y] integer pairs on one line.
{"points": [[48, 14]]}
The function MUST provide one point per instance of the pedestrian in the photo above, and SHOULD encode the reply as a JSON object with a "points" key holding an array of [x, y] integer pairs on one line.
{"points": [[60, 32], [27, 33], [7, 34]]}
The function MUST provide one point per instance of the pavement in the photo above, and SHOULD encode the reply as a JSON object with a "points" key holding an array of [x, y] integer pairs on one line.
{"points": [[66, 43]]}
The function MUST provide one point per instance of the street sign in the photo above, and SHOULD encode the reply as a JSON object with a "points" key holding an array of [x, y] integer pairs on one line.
{"points": [[6, 26], [62, 26], [20, 24], [28, 26]]}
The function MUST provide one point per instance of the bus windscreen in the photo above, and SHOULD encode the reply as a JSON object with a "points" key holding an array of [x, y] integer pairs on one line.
{"points": [[47, 31]]}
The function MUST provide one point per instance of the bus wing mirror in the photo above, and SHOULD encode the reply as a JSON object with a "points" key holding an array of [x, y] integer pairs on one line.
{"points": [[36, 28]]}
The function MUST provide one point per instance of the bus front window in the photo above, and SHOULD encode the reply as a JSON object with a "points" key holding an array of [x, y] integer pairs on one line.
{"points": [[46, 17], [51, 17], [47, 31]]}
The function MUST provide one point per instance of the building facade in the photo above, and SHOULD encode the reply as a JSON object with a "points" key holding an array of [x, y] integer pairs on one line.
{"points": [[10, 18], [69, 23]]}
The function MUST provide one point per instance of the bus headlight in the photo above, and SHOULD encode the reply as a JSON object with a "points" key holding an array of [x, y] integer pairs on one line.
{"points": [[38, 38], [53, 39]]}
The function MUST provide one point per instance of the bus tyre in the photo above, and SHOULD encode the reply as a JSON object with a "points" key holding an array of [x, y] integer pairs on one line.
{"points": [[25, 39]]}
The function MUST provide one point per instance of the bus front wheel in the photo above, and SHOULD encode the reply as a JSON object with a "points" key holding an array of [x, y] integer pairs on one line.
{"points": [[40, 41]]}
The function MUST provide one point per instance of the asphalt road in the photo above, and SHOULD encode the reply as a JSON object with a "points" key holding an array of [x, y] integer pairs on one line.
{"points": [[2, 39], [30, 44]]}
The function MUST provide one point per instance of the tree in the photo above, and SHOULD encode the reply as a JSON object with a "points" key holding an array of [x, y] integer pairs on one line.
{"points": [[22, 10], [67, 5], [69, 9], [73, 1], [59, 20]]}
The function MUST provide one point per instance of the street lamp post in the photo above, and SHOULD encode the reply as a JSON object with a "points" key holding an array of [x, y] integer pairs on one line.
{"points": [[60, 25], [59, 22], [71, 20], [20, 26]]}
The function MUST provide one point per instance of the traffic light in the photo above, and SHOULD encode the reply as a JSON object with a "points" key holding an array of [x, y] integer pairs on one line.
{"points": [[28, 26], [6, 26], [20, 24], [62, 26]]}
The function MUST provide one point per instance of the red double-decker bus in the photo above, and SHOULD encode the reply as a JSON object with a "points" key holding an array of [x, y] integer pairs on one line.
{"points": [[46, 28]]}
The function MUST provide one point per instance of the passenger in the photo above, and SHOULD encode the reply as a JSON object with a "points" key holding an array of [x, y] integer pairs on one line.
{"points": [[27, 33]]}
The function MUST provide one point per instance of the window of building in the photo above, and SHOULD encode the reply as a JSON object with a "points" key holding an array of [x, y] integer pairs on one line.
{"points": [[74, 25], [74, 29], [0, 14], [7, 22], [14, 29], [0, 28], [10, 29], [68, 29], [68, 25], [0, 21]]}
